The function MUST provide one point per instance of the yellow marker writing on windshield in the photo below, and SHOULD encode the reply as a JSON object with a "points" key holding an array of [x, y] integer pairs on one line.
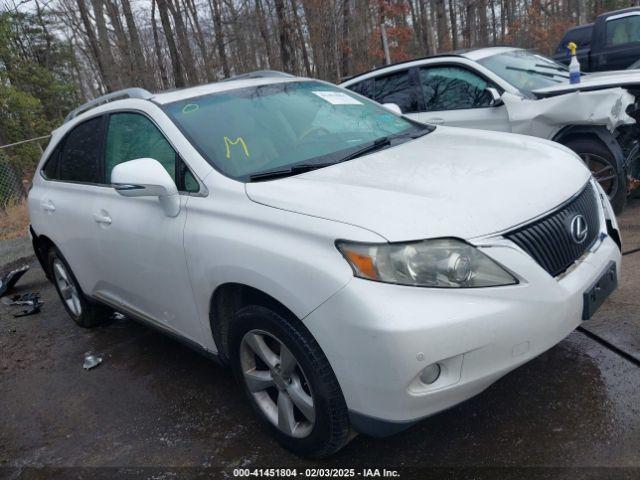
{"points": [[228, 142]]}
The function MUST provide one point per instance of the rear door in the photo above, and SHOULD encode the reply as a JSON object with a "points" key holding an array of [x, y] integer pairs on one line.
{"points": [[63, 207], [456, 96], [143, 265]]}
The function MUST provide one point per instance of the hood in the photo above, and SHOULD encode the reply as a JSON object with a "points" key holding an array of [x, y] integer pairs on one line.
{"points": [[451, 182], [594, 81]]}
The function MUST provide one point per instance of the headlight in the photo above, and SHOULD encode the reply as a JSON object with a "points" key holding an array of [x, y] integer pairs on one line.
{"points": [[443, 262]]}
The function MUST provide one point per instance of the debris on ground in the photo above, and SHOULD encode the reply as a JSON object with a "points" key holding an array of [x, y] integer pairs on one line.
{"points": [[29, 300], [9, 280], [91, 361]]}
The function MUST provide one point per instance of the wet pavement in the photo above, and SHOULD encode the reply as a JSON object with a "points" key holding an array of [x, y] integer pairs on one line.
{"points": [[155, 403]]}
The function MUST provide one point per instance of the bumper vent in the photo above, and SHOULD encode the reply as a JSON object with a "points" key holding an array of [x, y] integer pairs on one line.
{"points": [[557, 240]]}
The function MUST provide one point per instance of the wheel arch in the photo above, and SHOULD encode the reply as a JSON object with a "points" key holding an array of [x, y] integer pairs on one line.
{"points": [[41, 245], [230, 297], [600, 133]]}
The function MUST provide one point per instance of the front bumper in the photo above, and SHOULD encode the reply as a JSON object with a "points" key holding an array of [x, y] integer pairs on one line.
{"points": [[379, 337]]}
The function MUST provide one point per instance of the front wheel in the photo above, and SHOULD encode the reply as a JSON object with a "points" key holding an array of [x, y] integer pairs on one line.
{"points": [[606, 170], [289, 382]]}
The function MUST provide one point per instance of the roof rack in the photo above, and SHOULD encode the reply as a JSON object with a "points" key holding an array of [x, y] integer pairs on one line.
{"points": [[259, 74], [110, 97]]}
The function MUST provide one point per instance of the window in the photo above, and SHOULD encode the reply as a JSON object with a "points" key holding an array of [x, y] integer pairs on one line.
{"points": [[131, 136], [580, 36], [525, 70], [453, 88], [82, 153], [50, 169], [623, 30], [247, 131], [364, 88], [397, 88]]}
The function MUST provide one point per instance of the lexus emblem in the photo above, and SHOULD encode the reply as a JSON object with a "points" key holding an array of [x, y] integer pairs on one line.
{"points": [[579, 229]]}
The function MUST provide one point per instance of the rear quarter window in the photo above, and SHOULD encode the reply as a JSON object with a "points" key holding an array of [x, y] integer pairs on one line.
{"points": [[398, 88], [364, 88], [50, 169]]}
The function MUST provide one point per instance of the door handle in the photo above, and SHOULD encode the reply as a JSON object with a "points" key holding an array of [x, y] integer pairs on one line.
{"points": [[48, 206], [100, 218], [435, 120]]}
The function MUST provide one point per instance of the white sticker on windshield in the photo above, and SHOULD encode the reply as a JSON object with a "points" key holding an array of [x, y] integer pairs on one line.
{"points": [[337, 98]]}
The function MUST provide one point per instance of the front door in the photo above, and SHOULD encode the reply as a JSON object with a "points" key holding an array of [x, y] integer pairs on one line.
{"points": [[457, 97], [141, 248]]}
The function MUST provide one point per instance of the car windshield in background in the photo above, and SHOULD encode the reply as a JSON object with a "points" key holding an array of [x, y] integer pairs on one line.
{"points": [[525, 70], [281, 128]]}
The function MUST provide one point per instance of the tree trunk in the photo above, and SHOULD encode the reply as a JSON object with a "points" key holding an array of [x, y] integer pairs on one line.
{"points": [[219, 36], [285, 37], [164, 81], [264, 33], [98, 54], [185, 48], [454, 25], [301, 37], [142, 72], [178, 75], [200, 40]]}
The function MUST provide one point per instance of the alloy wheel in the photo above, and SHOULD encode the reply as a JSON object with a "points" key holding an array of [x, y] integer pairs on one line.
{"points": [[603, 171], [67, 288], [277, 383]]}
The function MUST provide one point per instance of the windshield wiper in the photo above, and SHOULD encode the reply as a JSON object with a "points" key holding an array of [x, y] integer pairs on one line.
{"points": [[287, 172], [378, 144], [552, 67], [537, 72]]}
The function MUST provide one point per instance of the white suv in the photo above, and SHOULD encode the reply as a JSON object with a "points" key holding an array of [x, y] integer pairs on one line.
{"points": [[356, 269]]}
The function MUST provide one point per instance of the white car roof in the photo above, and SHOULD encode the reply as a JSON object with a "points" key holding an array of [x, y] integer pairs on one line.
{"points": [[471, 55], [481, 53], [185, 93]]}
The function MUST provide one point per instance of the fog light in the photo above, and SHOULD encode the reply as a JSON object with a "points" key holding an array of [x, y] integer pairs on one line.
{"points": [[430, 374]]}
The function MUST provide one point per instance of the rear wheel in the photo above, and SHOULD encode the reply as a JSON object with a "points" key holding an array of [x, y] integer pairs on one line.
{"points": [[289, 382], [80, 309], [607, 171]]}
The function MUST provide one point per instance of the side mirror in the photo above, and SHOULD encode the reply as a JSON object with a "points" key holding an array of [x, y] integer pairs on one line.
{"points": [[145, 177], [496, 98], [393, 107]]}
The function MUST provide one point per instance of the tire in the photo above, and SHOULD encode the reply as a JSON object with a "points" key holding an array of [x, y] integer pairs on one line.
{"points": [[84, 312], [324, 428], [599, 158]]}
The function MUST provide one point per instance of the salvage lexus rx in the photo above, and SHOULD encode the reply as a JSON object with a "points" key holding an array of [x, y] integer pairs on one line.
{"points": [[357, 270]]}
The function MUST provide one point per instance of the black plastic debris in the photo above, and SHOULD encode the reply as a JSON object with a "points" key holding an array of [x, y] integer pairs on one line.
{"points": [[8, 281], [30, 301]]}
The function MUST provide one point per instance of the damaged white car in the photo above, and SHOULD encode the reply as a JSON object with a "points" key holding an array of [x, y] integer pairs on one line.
{"points": [[514, 90]]}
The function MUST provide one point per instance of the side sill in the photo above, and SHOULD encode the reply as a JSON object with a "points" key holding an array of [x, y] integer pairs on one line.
{"points": [[139, 317]]}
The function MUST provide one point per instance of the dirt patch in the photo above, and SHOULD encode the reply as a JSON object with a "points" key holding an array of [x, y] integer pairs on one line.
{"points": [[14, 220]]}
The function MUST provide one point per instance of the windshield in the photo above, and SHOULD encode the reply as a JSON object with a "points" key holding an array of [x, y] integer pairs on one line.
{"points": [[252, 130], [525, 70]]}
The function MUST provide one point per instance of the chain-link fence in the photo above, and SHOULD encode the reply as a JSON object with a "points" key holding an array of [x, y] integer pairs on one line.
{"points": [[17, 162], [12, 188]]}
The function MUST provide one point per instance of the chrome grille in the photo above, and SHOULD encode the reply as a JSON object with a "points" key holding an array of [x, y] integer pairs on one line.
{"points": [[549, 240]]}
